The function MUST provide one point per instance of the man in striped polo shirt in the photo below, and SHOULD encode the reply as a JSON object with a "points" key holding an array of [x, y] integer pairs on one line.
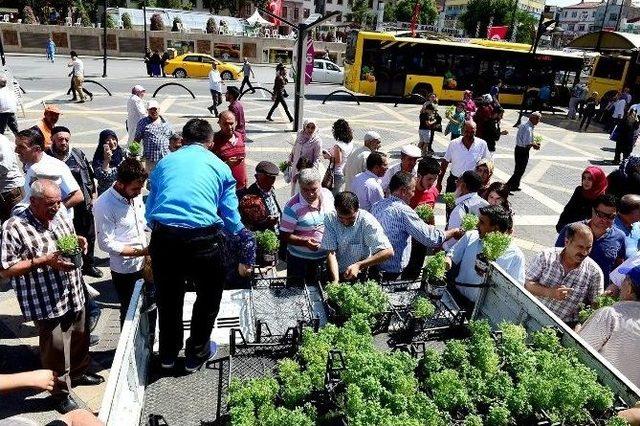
{"points": [[302, 228]]}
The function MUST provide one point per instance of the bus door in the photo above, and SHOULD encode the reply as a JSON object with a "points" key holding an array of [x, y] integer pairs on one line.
{"points": [[391, 73]]}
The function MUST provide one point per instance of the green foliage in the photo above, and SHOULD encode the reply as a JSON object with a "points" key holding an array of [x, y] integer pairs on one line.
{"points": [[283, 166], [28, 17], [499, 415], [494, 244], [449, 111], [473, 420], [469, 222], [85, 20], [449, 198], [212, 26], [156, 23], [587, 311], [127, 24], [68, 244], [135, 149], [435, 266], [267, 241], [527, 26], [449, 391], [176, 21], [425, 212], [361, 13], [295, 384], [423, 308], [402, 11], [366, 298], [455, 355], [537, 140], [111, 21], [546, 339], [483, 10], [483, 353], [617, 421]]}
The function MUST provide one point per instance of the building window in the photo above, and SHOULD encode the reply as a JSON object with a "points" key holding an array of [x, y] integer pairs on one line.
{"points": [[574, 14], [580, 27], [339, 2], [613, 16], [284, 12], [295, 14], [339, 18], [306, 13]]}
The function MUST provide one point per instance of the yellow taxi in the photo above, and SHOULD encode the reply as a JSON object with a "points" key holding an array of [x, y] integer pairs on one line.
{"points": [[199, 65]]}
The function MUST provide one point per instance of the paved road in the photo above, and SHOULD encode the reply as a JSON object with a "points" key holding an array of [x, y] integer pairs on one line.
{"points": [[552, 174]]}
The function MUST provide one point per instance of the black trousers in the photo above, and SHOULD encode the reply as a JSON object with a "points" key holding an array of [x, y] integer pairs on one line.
{"points": [[280, 100], [624, 148], [124, 285], [216, 97], [83, 222], [246, 81], [8, 119], [177, 255], [586, 120], [521, 155], [416, 260]]}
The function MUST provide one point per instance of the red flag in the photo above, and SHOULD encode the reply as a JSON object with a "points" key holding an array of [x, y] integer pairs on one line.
{"points": [[497, 32], [414, 18], [275, 7]]}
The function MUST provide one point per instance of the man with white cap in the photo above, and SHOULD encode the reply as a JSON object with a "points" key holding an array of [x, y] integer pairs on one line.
{"points": [[136, 110], [357, 161], [409, 156], [154, 133]]}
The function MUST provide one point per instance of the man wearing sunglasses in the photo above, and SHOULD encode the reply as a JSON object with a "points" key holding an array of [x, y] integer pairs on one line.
{"points": [[608, 241]]}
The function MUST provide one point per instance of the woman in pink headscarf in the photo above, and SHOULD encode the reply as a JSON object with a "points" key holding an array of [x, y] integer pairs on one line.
{"points": [[469, 105], [307, 152], [594, 184]]}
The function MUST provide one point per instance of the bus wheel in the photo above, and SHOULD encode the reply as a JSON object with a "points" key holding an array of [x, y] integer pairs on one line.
{"points": [[423, 89]]}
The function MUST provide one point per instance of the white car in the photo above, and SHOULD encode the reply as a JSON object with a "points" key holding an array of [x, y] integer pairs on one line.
{"points": [[324, 71]]}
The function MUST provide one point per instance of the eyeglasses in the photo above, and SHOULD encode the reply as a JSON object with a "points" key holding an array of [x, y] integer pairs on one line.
{"points": [[603, 215]]}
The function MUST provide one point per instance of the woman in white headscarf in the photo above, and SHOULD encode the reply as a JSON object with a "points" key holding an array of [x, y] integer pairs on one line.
{"points": [[306, 152]]}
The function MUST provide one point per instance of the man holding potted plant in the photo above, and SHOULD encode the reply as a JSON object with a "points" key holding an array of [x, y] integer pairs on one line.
{"points": [[49, 288], [524, 142], [266, 173], [467, 201]]}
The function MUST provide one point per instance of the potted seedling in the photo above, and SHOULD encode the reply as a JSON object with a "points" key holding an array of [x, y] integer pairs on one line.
{"points": [[537, 142], [268, 244], [494, 244], [423, 308], [448, 113], [70, 249], [135, 149], [283, 166], [586, 311], [469, 222], [435, 269], [449, 198], [425, 212]]}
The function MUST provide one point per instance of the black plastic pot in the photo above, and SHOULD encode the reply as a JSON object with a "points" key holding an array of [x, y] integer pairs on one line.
{"points": [[482, 264], [75, 258], [266, 259]]}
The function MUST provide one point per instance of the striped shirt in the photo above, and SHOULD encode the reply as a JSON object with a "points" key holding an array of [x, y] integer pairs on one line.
{"points": [[44, 292], [302, 220], [400, 222]]}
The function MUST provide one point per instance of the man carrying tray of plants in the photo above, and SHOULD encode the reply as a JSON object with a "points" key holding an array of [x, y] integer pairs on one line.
{"points": [[491, 242], [49, 287]]}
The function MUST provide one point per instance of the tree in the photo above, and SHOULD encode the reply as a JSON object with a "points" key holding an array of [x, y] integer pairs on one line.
{"points": [[28, 16], [175, 26], [126, 21], [361, 13], [111, 21], [482, 11], [156, 22], [527, 26], [212, 27], [403, 11], [85, 20]]}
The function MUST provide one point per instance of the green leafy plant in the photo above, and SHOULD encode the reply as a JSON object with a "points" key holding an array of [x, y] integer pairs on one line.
{"points": [[212, 27], [423, 308], [494, 244], [283, 166], [499, 415], [587, 311], [425, 212], [436, 267], [537, 140], [449, 198], [267, 241], [111, 21], [617, 421], [296, 385], [469, 222], [126, 21], [450, 111], [68, 244], [135, 149], [366, 298]]}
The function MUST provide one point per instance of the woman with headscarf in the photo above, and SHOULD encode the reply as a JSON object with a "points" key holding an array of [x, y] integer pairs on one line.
{"points": [[106, 159], [625, 135], [625, 180], [306, 151], [594, 184], [469, 103], [484, 168]]}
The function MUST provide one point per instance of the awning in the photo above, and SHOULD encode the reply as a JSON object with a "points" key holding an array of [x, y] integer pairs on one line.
{"points": [[611, 40], [256, 19]]}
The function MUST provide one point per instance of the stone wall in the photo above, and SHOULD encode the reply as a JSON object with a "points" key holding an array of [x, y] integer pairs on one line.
{"points": [[89, 41]]}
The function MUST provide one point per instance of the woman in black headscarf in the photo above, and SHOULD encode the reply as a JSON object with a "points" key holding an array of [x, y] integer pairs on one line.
{"points": [[106, 159], [625, 180]]}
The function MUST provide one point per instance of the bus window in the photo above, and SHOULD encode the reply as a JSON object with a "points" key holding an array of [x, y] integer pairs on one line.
{"points": [[610, 67], [350, 53]]}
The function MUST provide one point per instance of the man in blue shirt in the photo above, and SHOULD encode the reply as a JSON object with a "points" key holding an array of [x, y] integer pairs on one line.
{"points": [[192, 199], [608, 241], [628, 215]]}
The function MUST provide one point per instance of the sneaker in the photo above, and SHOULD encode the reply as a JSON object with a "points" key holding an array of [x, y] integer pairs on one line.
{"points": [[168, 363], [195, 362]]}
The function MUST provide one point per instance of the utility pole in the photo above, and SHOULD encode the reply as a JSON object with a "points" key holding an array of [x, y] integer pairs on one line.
{"points": [[601, 32], [144, 18], [301, 57], [2, 60], [104, 40]]}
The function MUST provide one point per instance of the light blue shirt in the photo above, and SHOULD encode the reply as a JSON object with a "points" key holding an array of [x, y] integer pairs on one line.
{"points": [[468, 203], [192, 188], [400, 222], [353, 243], [367, 187], [464, 253], [524, 137]]}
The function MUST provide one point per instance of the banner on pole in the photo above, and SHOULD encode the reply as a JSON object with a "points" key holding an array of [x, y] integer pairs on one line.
{"points": [[308, 69]]}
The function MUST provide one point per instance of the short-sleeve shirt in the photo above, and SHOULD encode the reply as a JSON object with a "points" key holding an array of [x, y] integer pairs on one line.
{"points": [[356, 164], [302, 220], [50, 168], [353, 243], [428, 196], [368, 189], [155, 138], [10, 174], [463, 159], [586, 281], [606, 249]]}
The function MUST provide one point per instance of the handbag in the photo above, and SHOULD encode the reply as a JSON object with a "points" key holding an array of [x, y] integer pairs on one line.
{"points": [[327, 180]]}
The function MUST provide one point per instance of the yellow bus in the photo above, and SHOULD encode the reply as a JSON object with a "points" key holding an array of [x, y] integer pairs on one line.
{"points": [[396, 64]]}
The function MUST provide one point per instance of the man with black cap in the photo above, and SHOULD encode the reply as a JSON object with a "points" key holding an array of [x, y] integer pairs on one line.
{"points": [[236, 108], [82, 171], [266, 173]]}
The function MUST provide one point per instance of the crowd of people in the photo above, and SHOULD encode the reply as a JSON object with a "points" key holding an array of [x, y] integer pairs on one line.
{"points": [[351, 216]]}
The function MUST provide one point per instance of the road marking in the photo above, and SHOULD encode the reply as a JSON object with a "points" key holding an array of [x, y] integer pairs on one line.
{"points": [[537, 172], [39, 101], [552, 187]]}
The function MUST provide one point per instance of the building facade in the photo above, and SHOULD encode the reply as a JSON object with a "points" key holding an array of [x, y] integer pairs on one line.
{"points": [[579, 18]]}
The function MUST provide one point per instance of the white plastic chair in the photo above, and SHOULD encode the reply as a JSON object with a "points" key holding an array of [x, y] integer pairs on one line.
{"points": [[5, 18], [78, 23], [68, 22]]}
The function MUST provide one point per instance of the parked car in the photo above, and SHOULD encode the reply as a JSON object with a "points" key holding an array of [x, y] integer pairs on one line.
{"points": [[198, 65], [324, 71]]}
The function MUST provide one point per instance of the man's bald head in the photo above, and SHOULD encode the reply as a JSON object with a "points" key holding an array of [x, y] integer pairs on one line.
{"points": [[227, 123], [45, 199], [578, 244], [578, 230], [42, 188]]}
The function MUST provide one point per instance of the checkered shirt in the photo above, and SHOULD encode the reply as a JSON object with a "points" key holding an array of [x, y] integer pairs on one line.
{"points": [[43, 292], [586, 281], [154, 137]]}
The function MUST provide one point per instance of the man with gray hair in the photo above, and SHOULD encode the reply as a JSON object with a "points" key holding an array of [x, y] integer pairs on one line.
{"points": [[302, 228], [357, 161], [136, 110], [524, 143], [8, 107], [49, 288]]}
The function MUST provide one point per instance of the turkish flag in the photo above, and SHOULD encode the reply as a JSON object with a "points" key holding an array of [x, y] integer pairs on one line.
{"points": [[275, 7], [497, 33]]}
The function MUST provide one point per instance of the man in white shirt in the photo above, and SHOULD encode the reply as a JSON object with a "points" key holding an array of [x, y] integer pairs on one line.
{"points": [[524, 143], [120, 223], [215, 87], [463, 154], [11, 179], [77, 76], [30, 150], [467, 201], [136, 110], [357, 161], [8, 107], [367, 185], [409, 156]]}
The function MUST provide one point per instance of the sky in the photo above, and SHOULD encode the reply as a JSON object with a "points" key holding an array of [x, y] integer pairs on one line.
{"points": [[563, 2]]}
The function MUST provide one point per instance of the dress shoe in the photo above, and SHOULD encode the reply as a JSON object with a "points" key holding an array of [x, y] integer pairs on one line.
{"points": [[269, 119], [210, 110], [92, 271], [91, 96], [66, 404], [87, 379], [93, 340], [80, 102]]}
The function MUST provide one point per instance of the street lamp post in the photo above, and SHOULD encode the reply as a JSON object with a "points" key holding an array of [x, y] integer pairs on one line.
{"points": [[2, 60], [144, 18], [104, 40]]}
